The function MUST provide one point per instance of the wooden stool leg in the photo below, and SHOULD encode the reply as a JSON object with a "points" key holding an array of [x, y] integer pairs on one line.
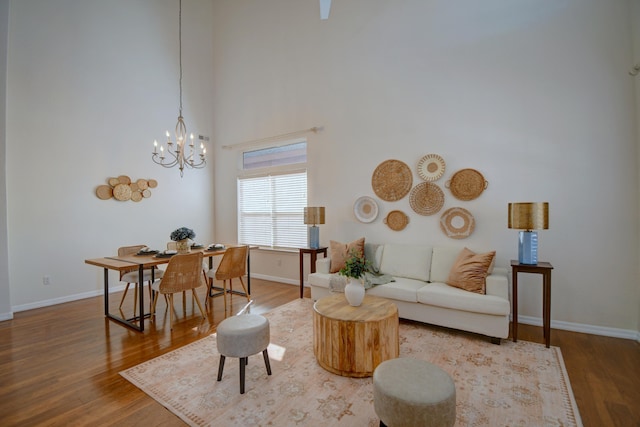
{"points": [[243, 363], [266, 361], [220, 367]]}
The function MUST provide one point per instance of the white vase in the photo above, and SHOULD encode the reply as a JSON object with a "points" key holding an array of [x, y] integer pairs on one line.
{"points": [[354, 292]]}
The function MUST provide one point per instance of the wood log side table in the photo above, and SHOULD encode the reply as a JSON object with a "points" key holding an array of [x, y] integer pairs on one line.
{"points": [[353, 341]]}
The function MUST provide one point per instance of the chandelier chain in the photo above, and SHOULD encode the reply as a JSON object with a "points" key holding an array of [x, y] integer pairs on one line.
{"points": [[183, 154]]}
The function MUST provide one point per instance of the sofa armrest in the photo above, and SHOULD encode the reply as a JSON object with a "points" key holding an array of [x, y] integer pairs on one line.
{"points": [[323, 265], [498, 283]]}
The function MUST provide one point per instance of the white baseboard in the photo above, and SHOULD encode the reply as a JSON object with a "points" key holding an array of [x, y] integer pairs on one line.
{"points": [[527, 320], [585, 329], [276, 279], [68, 298]]}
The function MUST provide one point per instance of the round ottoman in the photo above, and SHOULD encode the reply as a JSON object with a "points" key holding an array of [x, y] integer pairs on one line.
{"points": [[411, 392], [242, 336]]}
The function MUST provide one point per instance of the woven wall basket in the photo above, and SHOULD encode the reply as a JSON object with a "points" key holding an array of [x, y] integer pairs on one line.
{"points": [[457, 223], [426, 198], [392, 180], [467, 184], [396, 220]]}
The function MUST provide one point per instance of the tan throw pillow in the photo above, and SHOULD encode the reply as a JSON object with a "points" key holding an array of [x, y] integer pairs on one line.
{"points": [[470, 271], [341, 251]]}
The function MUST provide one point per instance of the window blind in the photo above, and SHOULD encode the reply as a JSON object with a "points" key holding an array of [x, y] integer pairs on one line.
{"points": [[271, 210]]}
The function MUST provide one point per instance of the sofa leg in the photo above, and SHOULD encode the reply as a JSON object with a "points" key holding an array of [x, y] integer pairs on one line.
{"points": [[495, 340]]}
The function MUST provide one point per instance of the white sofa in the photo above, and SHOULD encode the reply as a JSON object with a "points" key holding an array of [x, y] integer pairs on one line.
{"points": [[420, 292]]}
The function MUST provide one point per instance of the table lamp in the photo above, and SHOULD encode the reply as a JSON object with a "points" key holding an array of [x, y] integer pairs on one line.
{"points": [[528, 217], [314, 215]]}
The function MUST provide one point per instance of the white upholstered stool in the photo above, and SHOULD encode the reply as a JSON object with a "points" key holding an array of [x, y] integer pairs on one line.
{"points": [[410, 392], [242, 336]]}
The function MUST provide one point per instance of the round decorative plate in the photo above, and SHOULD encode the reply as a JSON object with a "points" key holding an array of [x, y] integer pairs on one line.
{"points": [[467, 184], [426, 198], [104, 192], [143, 184], [431, 167], [152, 183], [136, 196], [392, 180], [114, 181], [124, 179], [396, 220], [365, 209], [122, 192], [457, 223]]}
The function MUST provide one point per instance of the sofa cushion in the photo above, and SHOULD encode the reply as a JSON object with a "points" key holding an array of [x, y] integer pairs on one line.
{"points": [[443, 295], [373, 254], [443, 259], [470, 271], [341, 251], [402, 289], [410, 261]]}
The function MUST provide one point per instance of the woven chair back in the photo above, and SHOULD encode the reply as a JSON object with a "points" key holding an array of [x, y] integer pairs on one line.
{"points": [[183, 272], [233, 264], [128, 250]]}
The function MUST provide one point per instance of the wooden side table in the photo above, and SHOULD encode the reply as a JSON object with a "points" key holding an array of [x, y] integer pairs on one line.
{"points": [[543, 268], [353, 341], [313, 252]]}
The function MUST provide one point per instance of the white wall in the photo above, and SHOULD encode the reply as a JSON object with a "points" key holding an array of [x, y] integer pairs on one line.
{"points": [[91, 84], [5, 292], [635, 19], [535, 95]]}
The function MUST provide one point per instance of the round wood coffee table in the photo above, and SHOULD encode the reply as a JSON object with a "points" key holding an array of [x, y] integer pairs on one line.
{"points": [[353, 341]]}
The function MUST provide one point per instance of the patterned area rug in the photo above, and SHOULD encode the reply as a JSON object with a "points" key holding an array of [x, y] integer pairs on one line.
{"points": [[513, 384]]}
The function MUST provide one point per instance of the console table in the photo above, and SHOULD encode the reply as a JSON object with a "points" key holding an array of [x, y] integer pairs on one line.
{"points": [[313, 252], [543, 268]]}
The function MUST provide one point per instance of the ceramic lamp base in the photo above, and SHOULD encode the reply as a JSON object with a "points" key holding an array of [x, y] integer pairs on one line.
{"points": [[314, 237], [528, 247]]}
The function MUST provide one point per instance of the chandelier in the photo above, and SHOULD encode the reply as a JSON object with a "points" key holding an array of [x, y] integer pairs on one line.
{"points": [[177, 151]]}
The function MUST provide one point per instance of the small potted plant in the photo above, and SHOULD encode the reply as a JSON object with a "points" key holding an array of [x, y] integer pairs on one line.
{"points": [[354, 268], [181, 236]]}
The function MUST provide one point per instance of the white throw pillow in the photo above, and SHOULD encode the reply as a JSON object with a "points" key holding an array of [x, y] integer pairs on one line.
{"points": [[410, 261], [441, 262]]}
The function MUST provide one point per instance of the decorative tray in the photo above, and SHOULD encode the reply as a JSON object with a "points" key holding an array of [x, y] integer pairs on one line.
{"points": [[467, 184], [396, 220]]}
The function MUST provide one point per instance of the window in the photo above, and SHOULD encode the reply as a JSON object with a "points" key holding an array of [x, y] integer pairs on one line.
{"points": [[272, 194]]}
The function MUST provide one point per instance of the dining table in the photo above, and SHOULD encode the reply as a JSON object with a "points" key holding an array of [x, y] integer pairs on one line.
{"points": [[149, 260]]}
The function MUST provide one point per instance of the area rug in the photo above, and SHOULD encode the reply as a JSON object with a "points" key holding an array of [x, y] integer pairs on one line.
{"points": [[512, 384]]}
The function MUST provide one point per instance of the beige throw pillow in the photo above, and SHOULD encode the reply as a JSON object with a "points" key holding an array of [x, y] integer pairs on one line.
{"points": [[341, 251], [470, 271]]}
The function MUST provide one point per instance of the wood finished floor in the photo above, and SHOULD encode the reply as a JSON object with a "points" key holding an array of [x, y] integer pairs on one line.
{"points": [[59, 365]]}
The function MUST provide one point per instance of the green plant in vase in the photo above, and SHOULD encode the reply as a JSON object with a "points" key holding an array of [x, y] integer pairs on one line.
{"points": [[354, 268]]}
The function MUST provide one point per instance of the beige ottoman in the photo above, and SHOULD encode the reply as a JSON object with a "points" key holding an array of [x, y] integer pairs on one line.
{"points": [[242, 336], [410, 392]]}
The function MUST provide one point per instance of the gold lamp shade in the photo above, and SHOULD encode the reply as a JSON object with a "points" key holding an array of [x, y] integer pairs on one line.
{"points": [[314, 215], [529, 216]]}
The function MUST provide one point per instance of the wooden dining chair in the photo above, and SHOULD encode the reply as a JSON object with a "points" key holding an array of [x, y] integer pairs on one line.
{"points": [[183, 273], [132, 276], [232, 266]]}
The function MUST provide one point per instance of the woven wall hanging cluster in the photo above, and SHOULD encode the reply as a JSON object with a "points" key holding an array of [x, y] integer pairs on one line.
{"points": [[392, 180], [123, 189]]}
